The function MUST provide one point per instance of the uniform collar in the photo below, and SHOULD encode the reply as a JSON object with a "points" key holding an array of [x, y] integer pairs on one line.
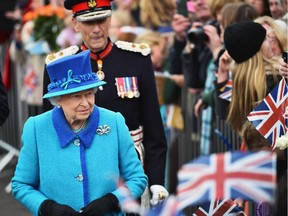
{"points": [[66, 135], [102, 54]]}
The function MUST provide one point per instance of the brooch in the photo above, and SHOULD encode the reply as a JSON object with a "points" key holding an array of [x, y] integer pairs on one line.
{"points": [[103, 130]]}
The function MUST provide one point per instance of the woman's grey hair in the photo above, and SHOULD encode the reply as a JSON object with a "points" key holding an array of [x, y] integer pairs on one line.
{"points": [[54, 100]]}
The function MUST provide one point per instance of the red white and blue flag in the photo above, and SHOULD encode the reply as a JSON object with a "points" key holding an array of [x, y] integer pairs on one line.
{"points": [[270, 117], [249, 175], [227, 92], [226, 207]]}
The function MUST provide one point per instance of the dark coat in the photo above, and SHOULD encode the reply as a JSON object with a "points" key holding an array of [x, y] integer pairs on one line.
{"points": [[4, 108]]}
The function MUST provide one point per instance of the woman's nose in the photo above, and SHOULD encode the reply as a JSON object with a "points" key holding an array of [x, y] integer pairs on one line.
{"points": [[84, 101]]}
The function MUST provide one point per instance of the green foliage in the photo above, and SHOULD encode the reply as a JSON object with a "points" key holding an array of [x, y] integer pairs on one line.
{"points": [[48, 28]]}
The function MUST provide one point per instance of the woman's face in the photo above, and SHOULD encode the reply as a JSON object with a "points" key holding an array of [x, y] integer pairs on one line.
{"points": [[266, 49], [258, 5], [271, 45], [94, 33], [77, 107]]}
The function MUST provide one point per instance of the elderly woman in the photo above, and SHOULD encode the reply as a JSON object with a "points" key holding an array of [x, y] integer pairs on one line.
{"points": [[75, 156]]}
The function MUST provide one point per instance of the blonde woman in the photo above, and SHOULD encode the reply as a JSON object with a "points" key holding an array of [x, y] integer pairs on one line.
{"points": [[276, 35], [253, 76], [277, 38]]}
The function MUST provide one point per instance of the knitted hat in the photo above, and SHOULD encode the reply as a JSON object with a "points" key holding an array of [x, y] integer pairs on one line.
{"points": [[88, 10], [71, 74], [244, 39]]}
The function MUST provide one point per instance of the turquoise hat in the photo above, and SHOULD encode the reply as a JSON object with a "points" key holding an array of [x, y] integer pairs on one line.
{"points": [[71, 74]]}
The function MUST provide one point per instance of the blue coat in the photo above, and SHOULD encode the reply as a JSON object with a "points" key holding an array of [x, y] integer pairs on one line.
{"points": [[74, 169], [142, 111]]}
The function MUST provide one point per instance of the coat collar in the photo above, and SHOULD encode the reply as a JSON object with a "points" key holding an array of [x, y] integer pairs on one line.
{"points": [[102, 54], [66, 135]]}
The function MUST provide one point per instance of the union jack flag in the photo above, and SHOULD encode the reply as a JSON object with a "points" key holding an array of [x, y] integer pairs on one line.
{"points": [[226, 207], [270, 117], [227, 92], [250, 176]]}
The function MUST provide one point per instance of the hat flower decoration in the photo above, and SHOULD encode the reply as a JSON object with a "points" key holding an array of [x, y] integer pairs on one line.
{"points": [[71, 74]]}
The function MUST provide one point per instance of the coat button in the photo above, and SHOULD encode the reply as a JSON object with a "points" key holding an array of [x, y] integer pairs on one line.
{"points": [[77, 142], [79, 178]]}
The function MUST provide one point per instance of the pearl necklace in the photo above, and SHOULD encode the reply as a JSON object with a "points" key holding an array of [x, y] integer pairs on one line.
{"points": [[81, 127]]}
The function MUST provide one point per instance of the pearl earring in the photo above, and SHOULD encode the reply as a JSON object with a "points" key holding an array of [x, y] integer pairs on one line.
{"points": [[59, 106]]}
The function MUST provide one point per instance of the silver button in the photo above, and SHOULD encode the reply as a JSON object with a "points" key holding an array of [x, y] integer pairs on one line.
{"points": [[79, 178], [77, 142]]}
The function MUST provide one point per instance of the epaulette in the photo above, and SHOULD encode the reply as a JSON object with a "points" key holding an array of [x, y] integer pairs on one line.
{"points": [[143, 48], [65, 52]]}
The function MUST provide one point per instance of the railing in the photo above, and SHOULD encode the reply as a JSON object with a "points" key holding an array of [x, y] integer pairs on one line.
{"points": [[10, 131]]}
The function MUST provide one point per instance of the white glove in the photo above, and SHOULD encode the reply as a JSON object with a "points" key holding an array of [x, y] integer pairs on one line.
{"points": [[159, 193]]}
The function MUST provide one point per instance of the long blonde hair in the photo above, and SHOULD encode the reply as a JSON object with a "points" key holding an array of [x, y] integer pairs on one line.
{"points": [[249, 87]]}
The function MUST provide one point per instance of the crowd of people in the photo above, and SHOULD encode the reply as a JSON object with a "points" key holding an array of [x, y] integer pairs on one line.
{"points": [[141, 59]]}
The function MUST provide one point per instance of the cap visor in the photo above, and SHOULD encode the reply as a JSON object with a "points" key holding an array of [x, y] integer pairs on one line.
{"points": [[94, 15]]}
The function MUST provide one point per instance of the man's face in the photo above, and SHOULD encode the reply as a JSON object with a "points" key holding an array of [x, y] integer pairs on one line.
{"points": [[202, 10], [276, 9], [94, 33], [258, 5]]}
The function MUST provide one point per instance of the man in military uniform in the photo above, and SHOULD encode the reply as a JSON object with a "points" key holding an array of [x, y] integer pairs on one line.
{"points": [[130, 88]]}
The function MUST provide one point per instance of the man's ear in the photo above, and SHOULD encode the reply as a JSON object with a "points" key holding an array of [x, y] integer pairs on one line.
{"points": [[75, 24]]}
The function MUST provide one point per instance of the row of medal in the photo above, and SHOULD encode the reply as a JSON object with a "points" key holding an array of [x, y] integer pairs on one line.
{"points": [[127, 87]]}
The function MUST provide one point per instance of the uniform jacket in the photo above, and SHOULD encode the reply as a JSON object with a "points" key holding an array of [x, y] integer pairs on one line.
{"points": [[141, 111], [74, 169]]}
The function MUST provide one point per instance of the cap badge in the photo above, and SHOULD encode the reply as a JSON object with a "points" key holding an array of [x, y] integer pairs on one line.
{"points": [[92, 4]]}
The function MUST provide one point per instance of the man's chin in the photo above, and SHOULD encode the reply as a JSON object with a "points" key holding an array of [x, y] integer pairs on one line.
{"points": [[97, 46]]}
